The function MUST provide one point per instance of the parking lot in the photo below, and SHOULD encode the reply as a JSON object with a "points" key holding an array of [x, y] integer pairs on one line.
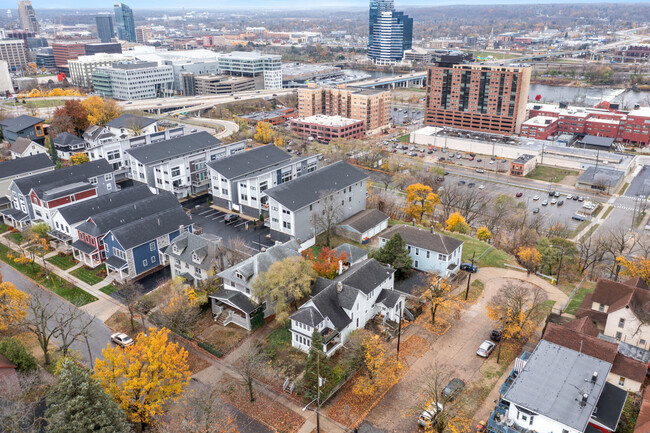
{"points": [[212, 221], [401, 116]]}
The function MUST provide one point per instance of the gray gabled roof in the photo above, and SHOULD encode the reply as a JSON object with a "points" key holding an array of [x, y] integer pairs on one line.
{"points": [[250, 161], [14, 167], [261, 261], [20, 123], [151, 227], [21, 144], [130, 120], [308, 315], [100, 223], [389, 298], [553, 382], [67, 139], [237, 299], [424, 239], [52, 179], [80, 211], [352, 252], [174, 147], [365, 220], [310, 187], [189, 243]]}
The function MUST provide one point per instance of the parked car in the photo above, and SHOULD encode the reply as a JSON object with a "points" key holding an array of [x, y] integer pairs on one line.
{"points": [[471, 158], [480, 170], [557, 194], [578, 217], [122, 339], [560, 203], [551, 193], [536, 197], [461, 182], [468, 267], [519, 194], [581, 199], [545, 202], [452, 389], [481, 426], [231, 217], [412, 154], [495, 335], [428, 416], [459, 156], [569, 197], [575, 197], [471, 185], [440, 179], [536, 210], [479, 160], [554, 201], [481, 187], [492, 162], [485, 348]]}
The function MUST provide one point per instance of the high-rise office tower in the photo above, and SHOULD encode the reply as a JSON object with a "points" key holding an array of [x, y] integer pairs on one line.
{"points": [[477, 97], [27, 16], [124, 22], [105, 28], [390, 33]]}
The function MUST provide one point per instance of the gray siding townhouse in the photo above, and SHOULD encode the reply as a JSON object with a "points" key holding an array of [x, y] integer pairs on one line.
{"points": [[18, 168], [239, 181], [179, 165], [23, 126], [295, 205], [430, 251], [130, 125], [194, 257], [235, 302]]}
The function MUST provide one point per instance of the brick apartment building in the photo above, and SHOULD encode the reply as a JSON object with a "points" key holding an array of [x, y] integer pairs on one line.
{"points": [[274, 117], [327, 128], [69, 50], [372, 106], [477, 97], [632, 128]]}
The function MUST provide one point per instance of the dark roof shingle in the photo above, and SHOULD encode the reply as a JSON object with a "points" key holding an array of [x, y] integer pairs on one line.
{"points": [[252, 160], [14, 167], [129, 121], [174, 147], [20, 123], [76, 173], [424, 239]]}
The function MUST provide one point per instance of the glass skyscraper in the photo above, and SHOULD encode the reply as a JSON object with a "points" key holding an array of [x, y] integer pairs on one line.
{"points": [[390, 33], [124, 22], [105, 28]]}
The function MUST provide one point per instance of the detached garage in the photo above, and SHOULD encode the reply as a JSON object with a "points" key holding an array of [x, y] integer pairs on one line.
{"points": [[364, 225]]}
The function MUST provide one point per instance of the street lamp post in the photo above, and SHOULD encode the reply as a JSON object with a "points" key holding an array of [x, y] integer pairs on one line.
{"points": [[469, 276]]}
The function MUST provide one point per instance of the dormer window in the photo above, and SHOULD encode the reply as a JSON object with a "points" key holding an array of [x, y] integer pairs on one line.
{"points": [[196, 258], [175, 249], [239, 275]]}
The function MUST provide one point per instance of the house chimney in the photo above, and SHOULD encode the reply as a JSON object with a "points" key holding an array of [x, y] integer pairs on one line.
{"points": [[180, 228], [340, 267], [339, 287], [594, 377], [583, 402]]}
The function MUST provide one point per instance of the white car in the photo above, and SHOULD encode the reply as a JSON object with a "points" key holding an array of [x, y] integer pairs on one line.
{"points": [[485, 348], [569, 197], [122, 339], [536, 197], [481, 187], [426, 418], [553, 201], [491, 162]]}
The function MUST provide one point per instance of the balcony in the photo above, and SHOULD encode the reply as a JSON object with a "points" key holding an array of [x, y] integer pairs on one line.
{"points": [[179, 189], [500, 423]]}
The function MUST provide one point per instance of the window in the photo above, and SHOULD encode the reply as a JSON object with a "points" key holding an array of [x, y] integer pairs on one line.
{"points": [[618, 335], [601, 308], [144, 262], [176, 171], [428, 254], [416, 264], [417, 251], [442, 257], [108, 187], [621, 381], [153, 259], [152, 246], [621, 323], [523, 417], [642, 342], [108, 176]]}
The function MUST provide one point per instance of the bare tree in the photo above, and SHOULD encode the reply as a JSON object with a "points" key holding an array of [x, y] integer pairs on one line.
{"points": [[131, 293], [237, 251], [71, 325], [248, 365], [591, 251], [328, 212], [41, 321], [617, 241], [18, 411], [471, 203], [442, 408]]}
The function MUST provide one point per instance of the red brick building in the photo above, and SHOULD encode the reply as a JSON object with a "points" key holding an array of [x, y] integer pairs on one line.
{"points": [[274, 117], [477, 97], [69, 50], [323, 127], [540, 127]]}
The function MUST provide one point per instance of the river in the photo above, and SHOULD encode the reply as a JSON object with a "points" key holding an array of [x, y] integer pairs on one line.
{"points": [[588, 96]]}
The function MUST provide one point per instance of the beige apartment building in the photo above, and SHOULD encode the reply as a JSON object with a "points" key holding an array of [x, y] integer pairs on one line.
{"points": [[370, 105]]}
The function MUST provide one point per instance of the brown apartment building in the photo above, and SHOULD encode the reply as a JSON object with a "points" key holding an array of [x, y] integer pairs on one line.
{"points": [[370, 105], [478, 97]]}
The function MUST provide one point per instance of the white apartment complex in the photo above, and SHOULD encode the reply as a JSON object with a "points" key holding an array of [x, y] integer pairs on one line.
{"points": [[81, 69], [133, 80], [14, 52], [253, 64]]}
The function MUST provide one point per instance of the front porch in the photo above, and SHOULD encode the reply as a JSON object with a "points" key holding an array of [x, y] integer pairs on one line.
{"points": [[232, 306], [118, 267], [86, 254], [15, 218], [331, 341]]}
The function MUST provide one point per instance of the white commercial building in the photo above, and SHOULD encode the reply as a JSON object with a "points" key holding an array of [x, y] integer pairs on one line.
{"points": [[81, 69], [133, 80], [197, 62], [253, 64]]}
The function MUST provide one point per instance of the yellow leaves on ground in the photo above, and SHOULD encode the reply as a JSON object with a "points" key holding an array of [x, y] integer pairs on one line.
{"points": [[146, 376], [381, 369]]}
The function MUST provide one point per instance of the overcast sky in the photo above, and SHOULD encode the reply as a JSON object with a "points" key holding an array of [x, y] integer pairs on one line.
{"points": [[270, 4]]}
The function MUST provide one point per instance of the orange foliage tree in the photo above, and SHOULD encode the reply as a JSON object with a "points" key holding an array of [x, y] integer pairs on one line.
{"points": [[530, 258], [145, 377], [380, 369], [437, 294], [420, 199], [637, 267], [326, 264], [13, 305]]}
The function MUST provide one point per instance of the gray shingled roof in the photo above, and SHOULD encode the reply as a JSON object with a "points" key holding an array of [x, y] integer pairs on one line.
{"points": [[151, 227], [51, 179], [67, 139], [100, 223], [553, 381], [129, 120], [20, 145], [424, 239], [309, 187], [174, 147], [20, 123], [610, 406], [353, 253], [252, 160], [308, 315], [261, 262], [365, 220], [80, 211], [14, 167], [187, 244], [238, 299], [389, 298]]}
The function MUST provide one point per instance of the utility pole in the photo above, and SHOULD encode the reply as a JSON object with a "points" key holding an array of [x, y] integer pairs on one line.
{"points": [[318, 390], [559, 267], [399, 332], [469, 276]]}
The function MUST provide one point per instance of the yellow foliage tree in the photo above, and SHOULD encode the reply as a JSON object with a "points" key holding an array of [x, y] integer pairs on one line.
{"points": [[101, 111], [637, 267], [264, 132], [530, 258], [437, 294], [56, 92], [456, 223], [13, 305], [483, 234], [35, 93], [145, 377], [420, 199], [381, 370], [79, 158], [278, 141]]}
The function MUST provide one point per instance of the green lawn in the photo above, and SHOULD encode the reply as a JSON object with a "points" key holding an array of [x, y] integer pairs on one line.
{"points": [[591, 230], [577, 299], [608, 211], [406, 138], [624, 188], [580, 228], [109, 290], [65, 262], [39, 103], [54, 283], [3, 228], [550, 174], [496, 55], [16, 238], [88, 276]]}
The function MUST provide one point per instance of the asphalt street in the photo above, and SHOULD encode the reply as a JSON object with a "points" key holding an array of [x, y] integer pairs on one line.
{"points": [[640, 185], [99, 334]]}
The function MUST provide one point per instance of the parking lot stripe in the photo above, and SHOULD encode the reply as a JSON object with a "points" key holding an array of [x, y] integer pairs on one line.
{"points": [[241, 223], [206, 211]]}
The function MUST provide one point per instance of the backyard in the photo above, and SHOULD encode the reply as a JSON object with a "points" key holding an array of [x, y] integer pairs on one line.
{"points": [[587, 287], [62, 261], [89, 276]]}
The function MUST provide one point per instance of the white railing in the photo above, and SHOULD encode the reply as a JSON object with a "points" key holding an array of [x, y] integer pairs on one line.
{"points": [[236, 319], [216, 310]]}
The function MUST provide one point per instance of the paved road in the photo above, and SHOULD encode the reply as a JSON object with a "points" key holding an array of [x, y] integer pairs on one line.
{"points": [[99, 333]]}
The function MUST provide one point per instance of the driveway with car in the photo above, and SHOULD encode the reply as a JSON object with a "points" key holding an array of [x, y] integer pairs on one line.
{"points": [[454, 352]]}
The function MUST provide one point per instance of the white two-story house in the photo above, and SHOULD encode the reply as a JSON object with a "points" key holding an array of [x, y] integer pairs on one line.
{"points": [[339, 306], [430, 251], [239, 181], [296, 206]]}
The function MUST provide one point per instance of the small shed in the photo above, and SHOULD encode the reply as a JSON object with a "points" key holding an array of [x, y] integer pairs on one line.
{"points": [[364, 225]]}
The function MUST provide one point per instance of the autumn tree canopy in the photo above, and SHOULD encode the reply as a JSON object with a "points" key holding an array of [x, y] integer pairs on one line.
{"points": [[13, 305], [636, 267], [381, 369], [79, 158], [326, 264], [437, 294], [420, 200], [101, 111], [145, 377], [530, 258], [456, 223]]}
